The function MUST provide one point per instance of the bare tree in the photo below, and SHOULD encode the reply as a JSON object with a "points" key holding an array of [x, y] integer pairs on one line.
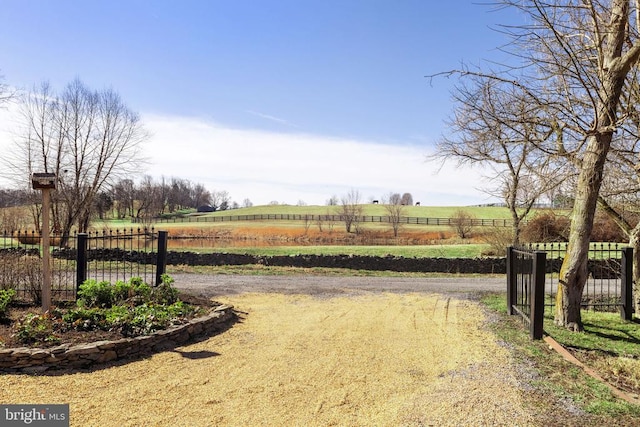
{"points": [[462, 223], [148, 199], [179, 194], [200, 196], [124, 197], [351, 211], [6, 94], [497, 125], [220, 200], [407, 199], [575, 60], [395, 209], [333, 201], [103, 203], [87, 138], [619, 195]]}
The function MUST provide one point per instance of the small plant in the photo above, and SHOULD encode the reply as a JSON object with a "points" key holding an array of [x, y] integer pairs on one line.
{"points": [[141, 291], [137, 309], [84, 319], [6, 296], [165, 293], [117, 315], [122, 291], [95, 294], [36, 328]]}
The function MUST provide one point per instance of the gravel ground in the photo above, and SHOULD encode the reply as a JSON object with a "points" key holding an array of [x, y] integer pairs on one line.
{"points": [[313, 351], [215, 285]]}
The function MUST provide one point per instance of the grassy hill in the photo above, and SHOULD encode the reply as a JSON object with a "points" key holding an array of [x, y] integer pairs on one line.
{"points": [[481, 212]]}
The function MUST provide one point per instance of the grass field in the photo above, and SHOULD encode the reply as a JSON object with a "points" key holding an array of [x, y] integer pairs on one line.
{"points": [[293, 237], [371, 209]]}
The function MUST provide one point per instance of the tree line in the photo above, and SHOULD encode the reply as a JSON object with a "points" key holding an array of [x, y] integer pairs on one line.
{"points": [[151, 198]]}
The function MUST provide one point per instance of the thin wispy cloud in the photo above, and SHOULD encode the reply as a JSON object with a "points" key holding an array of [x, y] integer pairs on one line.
{"points": [[272, 118]]}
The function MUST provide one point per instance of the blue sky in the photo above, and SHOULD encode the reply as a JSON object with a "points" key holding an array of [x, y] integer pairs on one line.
{"points": [[270, 100]]}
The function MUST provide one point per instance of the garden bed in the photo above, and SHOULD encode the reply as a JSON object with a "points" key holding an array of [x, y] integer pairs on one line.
{"points": [[9, 337], [88, 348]]}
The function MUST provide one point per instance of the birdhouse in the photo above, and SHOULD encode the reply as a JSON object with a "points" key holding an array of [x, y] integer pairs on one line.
{"points": [[41, 181]]}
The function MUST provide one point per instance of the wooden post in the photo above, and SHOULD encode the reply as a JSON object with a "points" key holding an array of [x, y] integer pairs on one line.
{"points": [[46, 265], [45, 182]]}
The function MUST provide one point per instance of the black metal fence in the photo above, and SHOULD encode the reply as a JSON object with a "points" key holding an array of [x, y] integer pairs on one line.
{"points": [[610, 281], [475, 222], [525, 288], [109, 255], [532, 278]]}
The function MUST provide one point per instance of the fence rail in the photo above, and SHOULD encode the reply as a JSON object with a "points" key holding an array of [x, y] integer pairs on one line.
{"points": [[525, 288], [475, 222], [610, 280], [109, 255], [608, 288]]}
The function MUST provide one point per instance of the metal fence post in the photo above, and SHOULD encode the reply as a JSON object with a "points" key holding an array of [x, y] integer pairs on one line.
{"points": [[161, 260], [537, 297], [81, 260], [626, 284], [511, 282]]}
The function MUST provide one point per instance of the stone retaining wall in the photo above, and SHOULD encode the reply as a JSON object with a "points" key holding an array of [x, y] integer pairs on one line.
{"points": [[37, 360], [357, 262]]}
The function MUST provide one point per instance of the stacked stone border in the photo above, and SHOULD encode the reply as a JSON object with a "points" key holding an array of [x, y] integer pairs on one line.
{"points": [[355, 262], [66, 356]]}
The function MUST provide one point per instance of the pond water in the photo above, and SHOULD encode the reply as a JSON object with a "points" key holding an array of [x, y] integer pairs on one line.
{"points": [[208, 243]]}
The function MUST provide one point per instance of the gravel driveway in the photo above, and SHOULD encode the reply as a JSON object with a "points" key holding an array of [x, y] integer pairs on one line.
{"points": [[312, 351], [220, 284]]}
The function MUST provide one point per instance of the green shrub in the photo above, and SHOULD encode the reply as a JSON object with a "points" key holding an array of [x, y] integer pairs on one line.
{"points": [[164, 293], [145, 319], [546, 227], [122, 291], [95, 294], [180, 309], [117, 315], [85, 319], [141, 291], [36, 328], [133, 307], [6, 296]]}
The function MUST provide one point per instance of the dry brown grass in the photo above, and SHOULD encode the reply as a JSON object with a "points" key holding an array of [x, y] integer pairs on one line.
{"points": [[296, 232]]}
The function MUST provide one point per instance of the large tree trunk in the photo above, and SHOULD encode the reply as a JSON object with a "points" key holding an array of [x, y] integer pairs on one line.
{"points": [[574, 272], [615, 67]]}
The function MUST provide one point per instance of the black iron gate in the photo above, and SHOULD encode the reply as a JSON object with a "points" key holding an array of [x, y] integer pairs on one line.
{"points": [[525, 287], [109, 255]]}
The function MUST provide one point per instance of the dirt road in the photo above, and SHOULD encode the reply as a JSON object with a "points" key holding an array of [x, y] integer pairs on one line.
{"points": [[337, 354], [214, 285]]}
